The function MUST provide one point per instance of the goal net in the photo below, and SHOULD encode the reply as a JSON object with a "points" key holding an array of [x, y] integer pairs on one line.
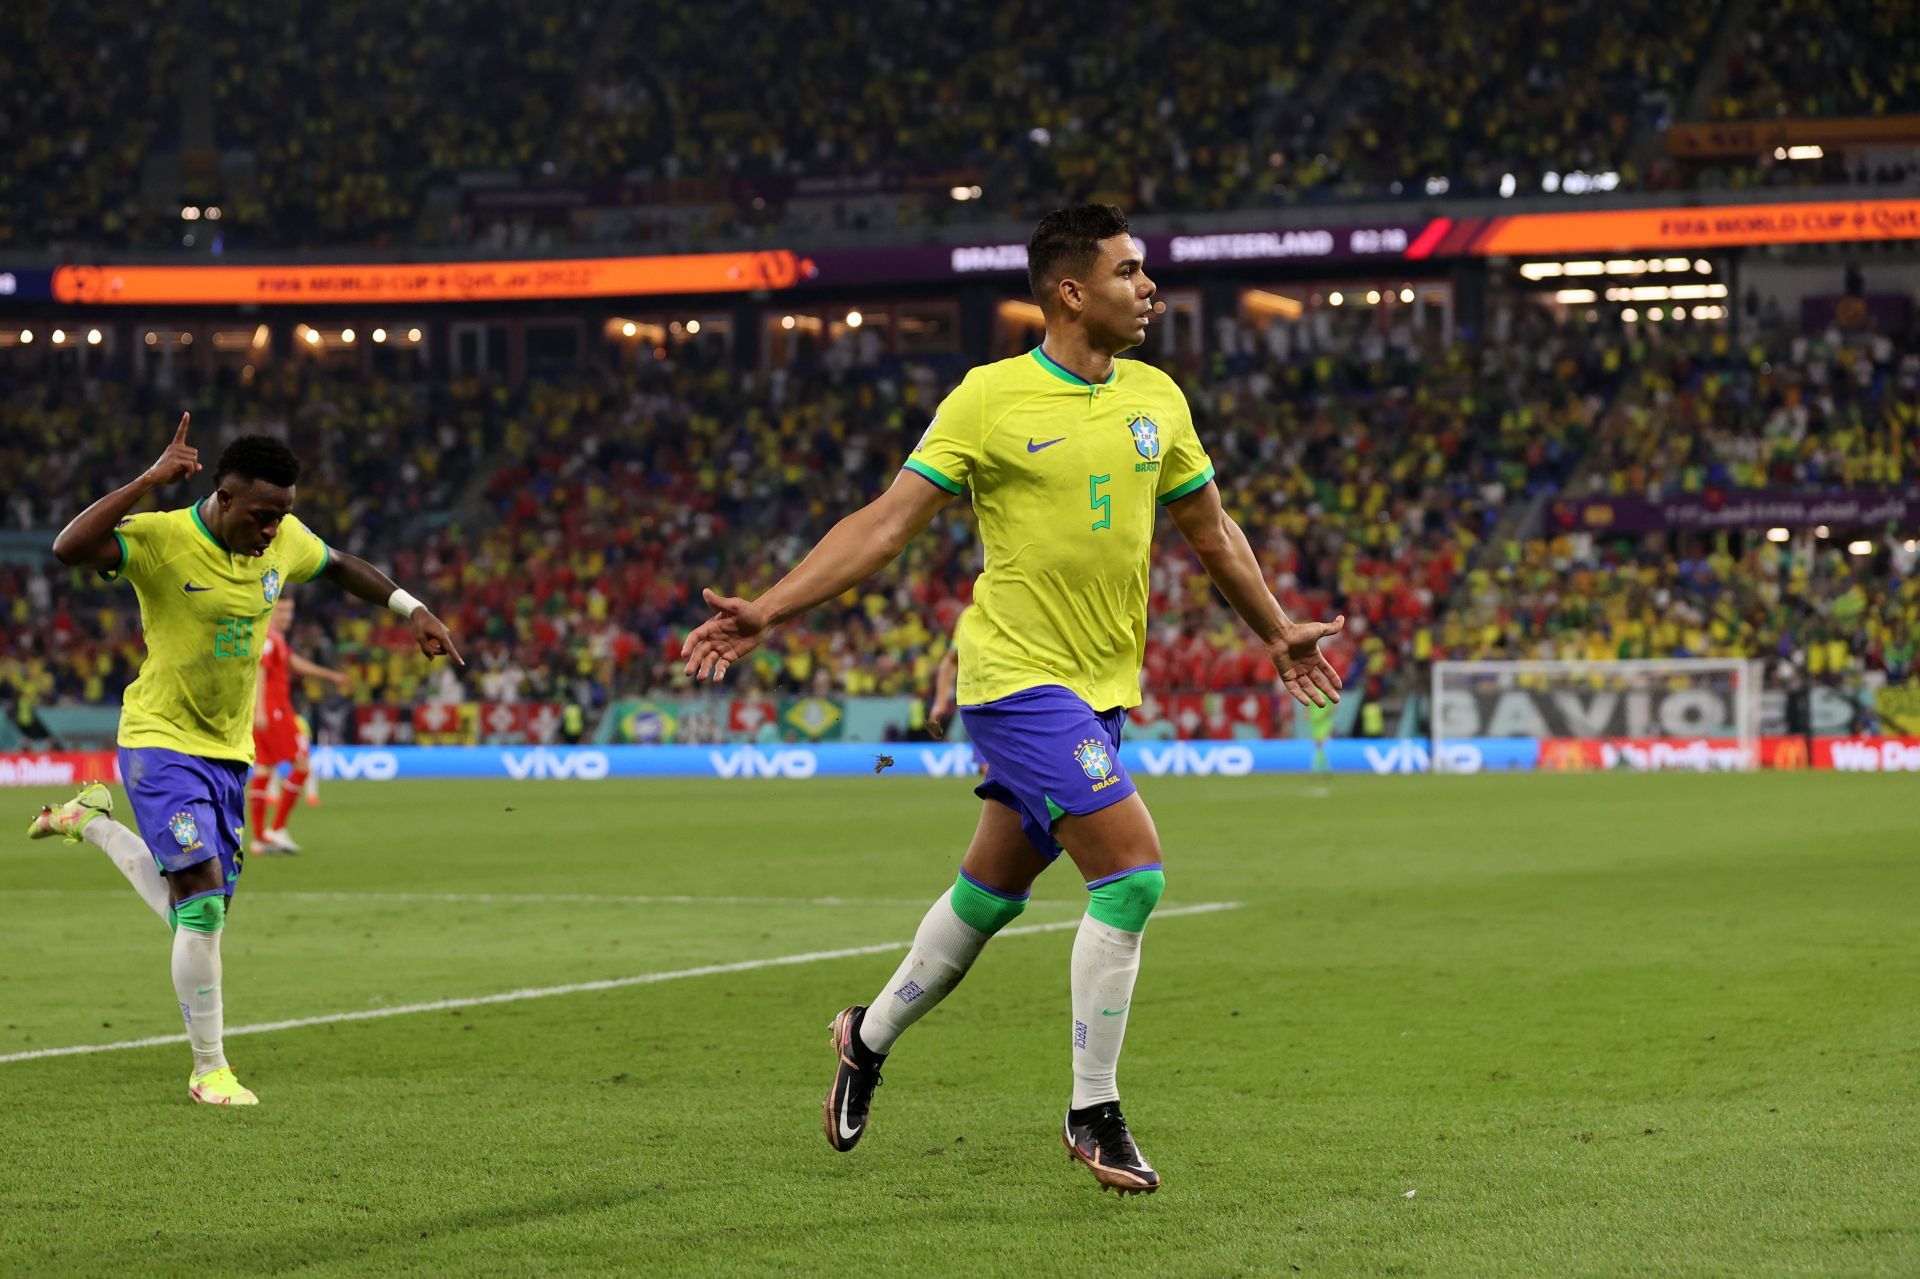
{"points": [[1680, 713]]}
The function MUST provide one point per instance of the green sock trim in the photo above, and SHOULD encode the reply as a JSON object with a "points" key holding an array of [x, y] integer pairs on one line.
{"points": [[1126, 902], [204, 915], [981, 908]]}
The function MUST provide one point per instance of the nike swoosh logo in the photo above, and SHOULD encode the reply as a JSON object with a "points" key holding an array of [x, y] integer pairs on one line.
{"points": [[206, 990], [847, 1133], [191, 589], [1114, 1012], [1044, 444]]}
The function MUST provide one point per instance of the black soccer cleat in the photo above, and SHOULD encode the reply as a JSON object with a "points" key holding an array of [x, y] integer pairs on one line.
{"points": [[856, 1074], [1098, 1138]]}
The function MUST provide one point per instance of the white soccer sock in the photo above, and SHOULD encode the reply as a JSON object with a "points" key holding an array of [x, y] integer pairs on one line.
{"points": [[129, 852], [196, 980], [1105, 962], [943, 949]]}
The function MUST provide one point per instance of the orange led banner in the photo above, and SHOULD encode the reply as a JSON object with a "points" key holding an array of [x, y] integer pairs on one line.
{"points": [[1756, 137], [1713, 226], [430, 282]]}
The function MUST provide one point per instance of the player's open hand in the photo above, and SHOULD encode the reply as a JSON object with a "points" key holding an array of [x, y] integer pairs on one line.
{"points": [[1305, 671], [181, 460], [430, 633], [735, 629]]}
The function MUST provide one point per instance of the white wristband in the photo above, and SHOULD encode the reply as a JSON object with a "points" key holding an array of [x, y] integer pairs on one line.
{"points": [[403, 603]]}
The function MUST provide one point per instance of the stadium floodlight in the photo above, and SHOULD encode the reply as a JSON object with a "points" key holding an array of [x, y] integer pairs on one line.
{"points": [[1861, 547], [1629, 315], [346, 335], [1685, 713], [1508, 186], [26, 337], [59, 337], [379, 335], [95, 337], [1336, 297], [1373, 297], [1406, 295], [693, 326], [1821, 531], [855, 319], [1778, 535]]}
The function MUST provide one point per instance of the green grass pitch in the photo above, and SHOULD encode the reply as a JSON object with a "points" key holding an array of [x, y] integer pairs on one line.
{"points": [[1531, 1025]]}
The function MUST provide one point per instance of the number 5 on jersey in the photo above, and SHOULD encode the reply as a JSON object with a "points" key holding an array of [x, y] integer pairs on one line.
{"points": [[1101, 502]]}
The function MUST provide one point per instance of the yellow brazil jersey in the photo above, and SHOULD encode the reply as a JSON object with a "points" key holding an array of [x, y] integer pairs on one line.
{"points": [[204, 612], [1066, 476]]}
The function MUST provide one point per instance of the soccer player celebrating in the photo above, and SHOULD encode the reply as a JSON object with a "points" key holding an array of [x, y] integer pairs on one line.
{"points": [[279, 736], [1066, 452], [207, 576]]}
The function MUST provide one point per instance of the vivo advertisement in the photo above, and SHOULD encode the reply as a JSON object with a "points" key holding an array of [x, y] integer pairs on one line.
{"points": [[901, 759]]}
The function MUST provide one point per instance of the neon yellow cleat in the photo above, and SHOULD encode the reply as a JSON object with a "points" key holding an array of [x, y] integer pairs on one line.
{"points": [[70, 818], [220, 1088]]}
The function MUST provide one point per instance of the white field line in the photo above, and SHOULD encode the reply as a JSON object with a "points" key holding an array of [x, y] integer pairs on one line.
{"points": [[575, 988]]}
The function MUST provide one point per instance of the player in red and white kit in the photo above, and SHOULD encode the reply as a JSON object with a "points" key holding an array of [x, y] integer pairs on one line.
{"points": [[278, 737]]}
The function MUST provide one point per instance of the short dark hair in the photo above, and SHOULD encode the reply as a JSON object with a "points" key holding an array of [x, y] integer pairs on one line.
{"points": [[1068, 240], [259, 457]]}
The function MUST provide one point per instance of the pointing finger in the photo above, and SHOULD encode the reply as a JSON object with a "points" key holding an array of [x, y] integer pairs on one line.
{"points": [[180, 435]]}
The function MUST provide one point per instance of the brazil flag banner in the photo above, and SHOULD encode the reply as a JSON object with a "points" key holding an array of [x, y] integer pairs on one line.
{"points": [[812, 719]]}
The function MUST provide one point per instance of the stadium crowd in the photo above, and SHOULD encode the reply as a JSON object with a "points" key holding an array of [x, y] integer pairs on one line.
{"points": [[564, 531], [349, 124], [79, 84], [1433, 91], [1784, 409]]}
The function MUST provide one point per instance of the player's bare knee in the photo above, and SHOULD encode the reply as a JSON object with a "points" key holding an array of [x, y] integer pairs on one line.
{"points": [[202, 877]]}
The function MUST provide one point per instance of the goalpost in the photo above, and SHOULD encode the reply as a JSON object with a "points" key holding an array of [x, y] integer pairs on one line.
{"points": [[1684, 713]]}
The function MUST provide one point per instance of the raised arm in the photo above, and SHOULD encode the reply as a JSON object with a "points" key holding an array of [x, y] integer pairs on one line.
{"points": [[88, 542], [851, 552], [363, 581], [1228, 558]]}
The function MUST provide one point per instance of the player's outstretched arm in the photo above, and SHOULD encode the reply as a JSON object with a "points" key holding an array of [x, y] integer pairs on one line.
{"points": [[852, 551], [307, 668], [1225, 553], [363, 581], [88, 542]]}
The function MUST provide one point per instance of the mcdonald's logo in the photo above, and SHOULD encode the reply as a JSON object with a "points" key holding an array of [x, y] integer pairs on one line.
{"points": [[1564, 755], [1790, 754]]}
